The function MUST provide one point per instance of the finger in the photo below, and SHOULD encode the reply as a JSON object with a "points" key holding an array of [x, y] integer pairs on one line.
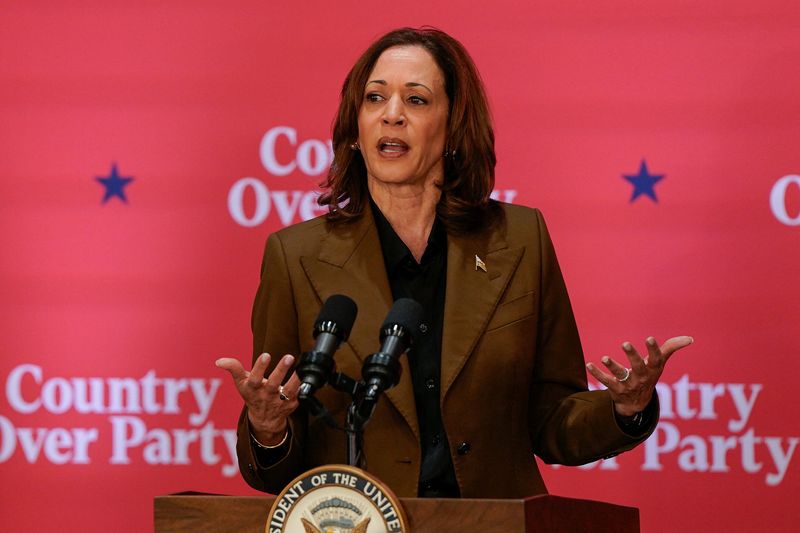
{"points": [[637, 363], [616, 369], [282, 394], [256, 376], [654, 356], [674, 344], [292, 385], [280, 370], [606, 379], [233, 366]]}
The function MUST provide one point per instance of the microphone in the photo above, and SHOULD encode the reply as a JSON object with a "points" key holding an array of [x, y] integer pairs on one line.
{"points": [[332, 327], [381, 370]]}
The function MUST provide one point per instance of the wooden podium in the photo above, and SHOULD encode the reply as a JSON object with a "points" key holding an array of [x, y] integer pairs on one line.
{"points": [[209, 513]]}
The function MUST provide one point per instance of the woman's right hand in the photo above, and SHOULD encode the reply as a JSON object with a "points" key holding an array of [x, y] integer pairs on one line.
{"points": [[268, 403]]}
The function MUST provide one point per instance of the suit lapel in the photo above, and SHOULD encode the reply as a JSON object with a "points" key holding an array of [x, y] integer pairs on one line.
{"points": [[350, 262], [472, 295]]}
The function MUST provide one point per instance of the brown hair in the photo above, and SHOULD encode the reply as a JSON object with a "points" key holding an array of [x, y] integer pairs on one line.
{"points": [[469, 160]]}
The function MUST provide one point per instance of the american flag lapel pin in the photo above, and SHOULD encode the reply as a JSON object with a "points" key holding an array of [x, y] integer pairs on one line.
{"points": [[479, 264]]}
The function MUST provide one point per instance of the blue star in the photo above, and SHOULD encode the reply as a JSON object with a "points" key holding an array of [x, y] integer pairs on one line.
{"points": [[114, 184], [643, 182]]}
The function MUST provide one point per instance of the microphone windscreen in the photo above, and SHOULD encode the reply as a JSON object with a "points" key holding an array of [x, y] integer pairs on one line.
{"points": [[406, 313], [341, 310]]}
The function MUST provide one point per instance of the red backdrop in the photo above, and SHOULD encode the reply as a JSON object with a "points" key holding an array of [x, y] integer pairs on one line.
{"points": [[114, 310]]}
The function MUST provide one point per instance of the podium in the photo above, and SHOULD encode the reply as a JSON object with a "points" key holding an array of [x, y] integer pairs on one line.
{"points": [[545, 513]]}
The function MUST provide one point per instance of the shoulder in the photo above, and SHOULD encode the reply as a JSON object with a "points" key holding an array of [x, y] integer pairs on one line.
{"points": [[295, 240], [310, 237], [315, 227], [521, 224], [520, 214]]}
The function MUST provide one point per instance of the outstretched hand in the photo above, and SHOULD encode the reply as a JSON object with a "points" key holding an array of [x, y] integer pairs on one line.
{"points": [[632, 388], [269, 403]]}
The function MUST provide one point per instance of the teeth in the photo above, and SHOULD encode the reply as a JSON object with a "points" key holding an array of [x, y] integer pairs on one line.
{"points": [[393, 146]]}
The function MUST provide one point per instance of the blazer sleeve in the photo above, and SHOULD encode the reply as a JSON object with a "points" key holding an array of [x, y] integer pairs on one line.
{"points": [[567, 423], [274, 326]]}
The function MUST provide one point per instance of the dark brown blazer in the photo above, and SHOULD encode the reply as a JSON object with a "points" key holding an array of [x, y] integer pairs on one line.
{"points": [[513, 376]]}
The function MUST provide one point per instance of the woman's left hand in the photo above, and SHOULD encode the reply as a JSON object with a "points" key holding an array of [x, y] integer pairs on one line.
{"points": [[632, 388]]}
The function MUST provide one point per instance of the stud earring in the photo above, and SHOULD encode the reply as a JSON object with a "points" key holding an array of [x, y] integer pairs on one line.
{"points": [[355, 146]]}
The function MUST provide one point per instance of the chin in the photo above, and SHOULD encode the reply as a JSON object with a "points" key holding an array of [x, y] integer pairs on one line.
{"points": [[393, 176], [397, 175]]}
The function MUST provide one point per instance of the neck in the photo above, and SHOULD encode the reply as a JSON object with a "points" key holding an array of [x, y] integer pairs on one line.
{"points": [[411, 211]]}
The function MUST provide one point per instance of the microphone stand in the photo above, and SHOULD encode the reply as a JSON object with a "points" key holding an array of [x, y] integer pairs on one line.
{"points": [[354, 424], [355, 419], [382, 371], [355, 437]]}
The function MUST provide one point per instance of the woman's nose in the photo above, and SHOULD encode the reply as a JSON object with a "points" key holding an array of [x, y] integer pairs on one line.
{"points": [[393, 113]]}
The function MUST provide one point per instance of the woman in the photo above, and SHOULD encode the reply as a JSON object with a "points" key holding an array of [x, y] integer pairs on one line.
{"points": [[498, 373]]}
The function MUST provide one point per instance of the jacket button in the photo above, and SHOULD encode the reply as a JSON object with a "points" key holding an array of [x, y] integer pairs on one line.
{"points": [[251, 468], [464, 448]]}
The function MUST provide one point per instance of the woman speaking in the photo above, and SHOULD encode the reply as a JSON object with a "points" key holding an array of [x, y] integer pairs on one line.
{"points": [[497, 372]]}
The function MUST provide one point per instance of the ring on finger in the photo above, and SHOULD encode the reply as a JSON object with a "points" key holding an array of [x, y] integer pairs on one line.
{"points": [[627, 375], [282, 395]]}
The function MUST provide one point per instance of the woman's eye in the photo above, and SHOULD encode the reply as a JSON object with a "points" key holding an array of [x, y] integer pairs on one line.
{"points": [[373, 97], [417, 100]]}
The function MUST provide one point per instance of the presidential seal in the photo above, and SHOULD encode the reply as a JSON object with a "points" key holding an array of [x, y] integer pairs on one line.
{"points": [[336, 499]]}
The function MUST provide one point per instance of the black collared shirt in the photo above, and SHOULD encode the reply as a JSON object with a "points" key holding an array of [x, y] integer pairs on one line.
{"points": [[424, 282]]}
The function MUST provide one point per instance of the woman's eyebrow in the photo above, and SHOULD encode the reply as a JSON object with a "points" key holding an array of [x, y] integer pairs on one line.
{"points": [[409, 84]]}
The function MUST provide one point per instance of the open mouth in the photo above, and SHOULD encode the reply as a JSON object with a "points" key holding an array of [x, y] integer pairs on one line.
{"points": [[392, 147]]}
